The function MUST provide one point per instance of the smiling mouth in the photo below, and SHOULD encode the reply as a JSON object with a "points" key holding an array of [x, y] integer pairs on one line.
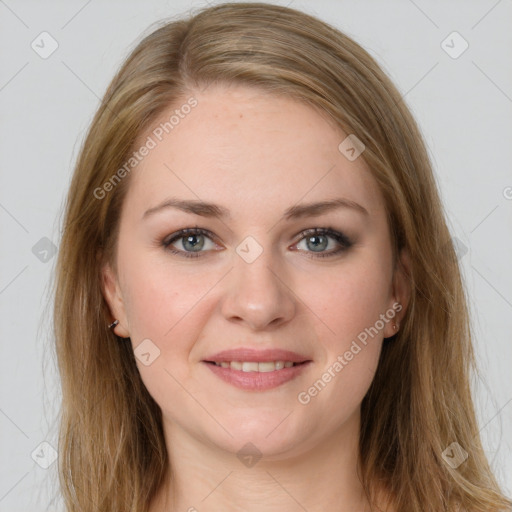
{"points": [[253, 366]]}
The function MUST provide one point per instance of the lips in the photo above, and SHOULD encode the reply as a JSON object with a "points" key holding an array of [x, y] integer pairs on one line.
{"points": [[257, 370], [257, 356]]}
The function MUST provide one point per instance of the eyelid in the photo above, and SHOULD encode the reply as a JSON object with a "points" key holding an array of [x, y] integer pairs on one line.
{"points": [[185, 231]]}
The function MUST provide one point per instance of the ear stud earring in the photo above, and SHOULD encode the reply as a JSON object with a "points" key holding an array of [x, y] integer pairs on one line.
{"points": [[113, 324]]}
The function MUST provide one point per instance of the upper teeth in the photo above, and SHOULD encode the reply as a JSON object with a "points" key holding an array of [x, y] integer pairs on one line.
{"points": [[251, 366]]}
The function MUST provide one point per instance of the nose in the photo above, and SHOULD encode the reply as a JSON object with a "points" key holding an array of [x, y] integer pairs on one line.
{"points": [[257, 294]]}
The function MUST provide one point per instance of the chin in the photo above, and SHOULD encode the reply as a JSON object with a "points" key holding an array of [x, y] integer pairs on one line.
{"points": [[268, 434]]}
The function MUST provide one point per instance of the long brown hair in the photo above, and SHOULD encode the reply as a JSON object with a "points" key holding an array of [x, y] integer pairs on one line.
{"points": [[112, 454]]}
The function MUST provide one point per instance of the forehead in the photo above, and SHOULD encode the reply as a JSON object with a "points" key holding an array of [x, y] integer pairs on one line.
{"points": [[247, 149]]}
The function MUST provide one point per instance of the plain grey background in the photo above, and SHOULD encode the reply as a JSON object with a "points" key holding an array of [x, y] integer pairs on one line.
{"points": [[462, 98]]}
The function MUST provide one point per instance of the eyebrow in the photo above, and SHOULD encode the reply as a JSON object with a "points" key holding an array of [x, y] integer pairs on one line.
{"points": [[205, 209]]}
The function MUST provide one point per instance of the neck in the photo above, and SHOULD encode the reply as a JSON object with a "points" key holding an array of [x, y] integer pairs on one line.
{"points": [[207, 478]]}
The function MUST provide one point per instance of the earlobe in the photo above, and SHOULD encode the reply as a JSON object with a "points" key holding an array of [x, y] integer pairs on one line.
{"points": [[112, 294]]}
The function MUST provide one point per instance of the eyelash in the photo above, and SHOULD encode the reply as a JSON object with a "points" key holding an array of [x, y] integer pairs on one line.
{"points": [[341, 238]]}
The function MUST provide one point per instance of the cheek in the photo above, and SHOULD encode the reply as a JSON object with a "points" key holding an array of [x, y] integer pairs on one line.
{"points": [[350, 304], [170, 307], [350, 300], [160, 296]]}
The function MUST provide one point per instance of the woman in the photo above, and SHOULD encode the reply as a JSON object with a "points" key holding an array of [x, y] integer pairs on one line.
{"points": [[258, 303]]}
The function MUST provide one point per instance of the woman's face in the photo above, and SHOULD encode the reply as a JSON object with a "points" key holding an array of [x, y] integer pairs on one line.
{"points": [[256, 276]]}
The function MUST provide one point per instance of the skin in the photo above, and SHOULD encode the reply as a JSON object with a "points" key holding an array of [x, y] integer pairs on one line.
{"points": [[255, 154]]}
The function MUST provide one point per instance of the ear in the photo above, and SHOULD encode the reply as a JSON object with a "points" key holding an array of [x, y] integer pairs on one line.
{"points": [[112, 293], [401, 291]]}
